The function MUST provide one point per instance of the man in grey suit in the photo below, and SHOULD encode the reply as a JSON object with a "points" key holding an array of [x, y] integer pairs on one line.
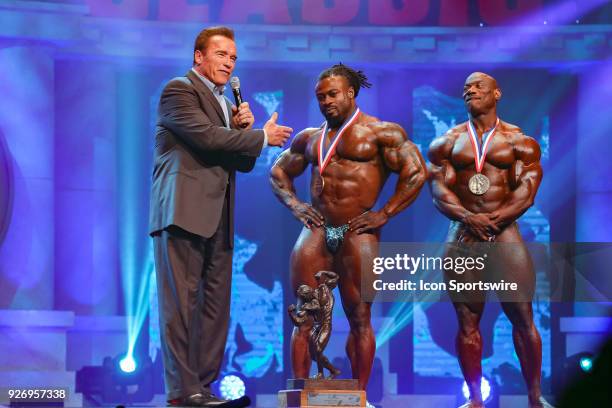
{"points": [[201, 141]]}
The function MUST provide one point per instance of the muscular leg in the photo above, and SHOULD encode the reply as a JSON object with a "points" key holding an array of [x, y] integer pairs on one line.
{"points": [[516, 266], [333, 371], [357, 252], [468, 344], [319, 360], [309, 256], [528, 346]]}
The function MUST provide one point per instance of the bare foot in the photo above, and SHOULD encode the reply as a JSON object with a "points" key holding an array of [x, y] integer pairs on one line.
{"points": [[541, 403], [333, 374], [473, 404]]}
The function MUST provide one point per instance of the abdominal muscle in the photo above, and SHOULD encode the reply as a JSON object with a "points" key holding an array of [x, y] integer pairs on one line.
{"points": [[490, 201], [351, 188]]}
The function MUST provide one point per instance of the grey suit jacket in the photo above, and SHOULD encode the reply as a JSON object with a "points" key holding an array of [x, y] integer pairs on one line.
{"points": [[196, 158]]}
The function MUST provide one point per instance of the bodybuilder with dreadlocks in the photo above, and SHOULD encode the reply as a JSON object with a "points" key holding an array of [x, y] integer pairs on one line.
{"points": [[351, 155]]}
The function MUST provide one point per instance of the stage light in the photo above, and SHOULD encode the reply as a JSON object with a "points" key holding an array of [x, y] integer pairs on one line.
{"points": [[127, 364], [399, 316], [586, 363], [578, 365], [232, 386], [117, 380], [485, 390], [135, 248]]}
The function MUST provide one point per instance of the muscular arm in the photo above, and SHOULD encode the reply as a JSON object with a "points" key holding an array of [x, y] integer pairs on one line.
{"points": [[442, 177], [332, 279], [401, 156], [180, 112], [290, 164], [298, 318], [311, 306], [528, 173]]}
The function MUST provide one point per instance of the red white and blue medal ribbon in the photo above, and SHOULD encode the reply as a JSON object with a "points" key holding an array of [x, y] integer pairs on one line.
{"points": [[480, 150], [479, 183], [325, 158]]}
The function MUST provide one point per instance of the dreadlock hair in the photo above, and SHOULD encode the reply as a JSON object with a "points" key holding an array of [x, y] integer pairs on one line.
{"points": [[356, 79]]}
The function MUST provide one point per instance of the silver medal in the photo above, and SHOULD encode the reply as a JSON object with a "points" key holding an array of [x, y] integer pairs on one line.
{"points": [[479, 184]]}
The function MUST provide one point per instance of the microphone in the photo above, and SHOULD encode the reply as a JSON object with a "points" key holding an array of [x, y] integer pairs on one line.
{"points": [[235, 84]]}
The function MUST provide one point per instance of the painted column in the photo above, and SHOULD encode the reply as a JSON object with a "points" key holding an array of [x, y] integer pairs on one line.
{"points": [[26, 124], [86, 262]]}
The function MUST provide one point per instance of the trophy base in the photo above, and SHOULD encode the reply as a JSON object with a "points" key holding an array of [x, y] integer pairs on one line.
{"points": [[311, 393]]}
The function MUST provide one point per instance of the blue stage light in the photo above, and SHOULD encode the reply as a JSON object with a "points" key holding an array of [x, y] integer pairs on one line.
{"points": [[485, 390], [232, 387], [577, 366], [127, 364], [586, 364], [118, 380], [135, 248]]}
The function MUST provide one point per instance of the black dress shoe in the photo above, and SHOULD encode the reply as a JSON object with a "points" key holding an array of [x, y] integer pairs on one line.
{"points": [[195, 400], [208, 399], [213, 401]]}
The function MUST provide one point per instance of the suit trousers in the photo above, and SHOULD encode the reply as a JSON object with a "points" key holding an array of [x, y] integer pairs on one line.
{"points": [[194, 279]]}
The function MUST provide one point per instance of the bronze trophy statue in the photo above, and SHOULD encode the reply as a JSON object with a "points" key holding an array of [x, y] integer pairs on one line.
{"points": [[313, 314], [316, 311]]}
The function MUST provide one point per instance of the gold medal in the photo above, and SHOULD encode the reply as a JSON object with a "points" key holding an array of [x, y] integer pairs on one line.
{"points": [[318, 184]]}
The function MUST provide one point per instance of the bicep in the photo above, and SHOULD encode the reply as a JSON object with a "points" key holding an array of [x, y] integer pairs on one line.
{"points": [[443, 174], [398, 157], [399, 154], [290, 164], [440, 168], [527, 178]]}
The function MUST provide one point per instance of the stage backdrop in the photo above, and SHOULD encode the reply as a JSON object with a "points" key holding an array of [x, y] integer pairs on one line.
{"points": [[80, 81]]}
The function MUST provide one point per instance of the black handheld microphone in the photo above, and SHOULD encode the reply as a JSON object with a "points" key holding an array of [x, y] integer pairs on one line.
{"points": [[235, 84]]}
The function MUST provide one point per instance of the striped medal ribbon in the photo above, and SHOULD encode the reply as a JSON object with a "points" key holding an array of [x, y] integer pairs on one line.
{"points": [[325, 157], [479, 183]]}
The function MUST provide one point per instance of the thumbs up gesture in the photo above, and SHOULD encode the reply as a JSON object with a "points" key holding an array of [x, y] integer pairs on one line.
{"points": [[277, 134]]}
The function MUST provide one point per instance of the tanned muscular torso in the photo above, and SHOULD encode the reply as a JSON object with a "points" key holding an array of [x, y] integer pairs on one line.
{"points": [[356, 173], [509, 157]]}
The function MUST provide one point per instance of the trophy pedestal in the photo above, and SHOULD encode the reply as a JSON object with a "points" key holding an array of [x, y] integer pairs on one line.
{"points": [[311, 393]]}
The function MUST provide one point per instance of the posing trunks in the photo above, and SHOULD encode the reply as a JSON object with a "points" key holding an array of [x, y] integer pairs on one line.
{"points": [[334, 237]]}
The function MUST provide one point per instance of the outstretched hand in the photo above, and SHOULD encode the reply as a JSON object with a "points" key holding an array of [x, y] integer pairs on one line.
{"points": [[277, 134]]}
